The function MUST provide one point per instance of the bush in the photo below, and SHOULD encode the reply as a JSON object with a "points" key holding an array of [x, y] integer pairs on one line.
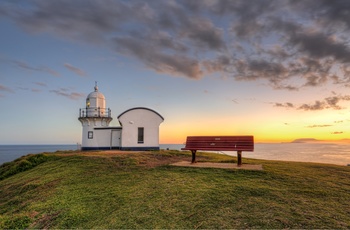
{"points": [[22, 164]]}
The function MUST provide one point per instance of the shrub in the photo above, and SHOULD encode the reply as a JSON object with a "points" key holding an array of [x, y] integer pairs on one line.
{"points": [[23, 164]]}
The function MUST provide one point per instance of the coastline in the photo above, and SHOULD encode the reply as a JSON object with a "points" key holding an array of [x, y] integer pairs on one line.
{"points": [[327, 153]]}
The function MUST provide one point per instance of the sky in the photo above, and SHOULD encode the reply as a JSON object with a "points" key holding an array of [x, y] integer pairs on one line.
{"points": [[275, 69]]}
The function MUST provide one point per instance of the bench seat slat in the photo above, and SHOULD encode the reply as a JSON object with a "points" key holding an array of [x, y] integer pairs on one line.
{"points": [[218, 139], [221, 149], [228, 143]]}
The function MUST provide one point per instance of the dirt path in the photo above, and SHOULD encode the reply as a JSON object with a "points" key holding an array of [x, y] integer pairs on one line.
{"points": [[154, 159], [218, 165]]}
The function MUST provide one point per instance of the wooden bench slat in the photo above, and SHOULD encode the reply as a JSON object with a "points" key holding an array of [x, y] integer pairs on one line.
{"points": [[219, 143], [244, 143], [249, 149], [220, 138]]}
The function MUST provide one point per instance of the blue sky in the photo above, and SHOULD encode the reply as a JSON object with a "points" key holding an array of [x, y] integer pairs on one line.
{"points": [[278, 70]]}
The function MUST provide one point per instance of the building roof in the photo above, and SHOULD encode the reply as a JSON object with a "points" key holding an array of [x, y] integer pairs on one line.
{"points": [[109, 127], [141, 108], [96, 94]]}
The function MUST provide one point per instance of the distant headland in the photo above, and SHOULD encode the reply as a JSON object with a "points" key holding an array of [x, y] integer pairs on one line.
{"points": [[313, 140], [305, 140]]}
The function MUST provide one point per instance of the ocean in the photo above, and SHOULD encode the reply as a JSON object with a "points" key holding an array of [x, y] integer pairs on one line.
{"points": [[330, 153], [12, 152]]}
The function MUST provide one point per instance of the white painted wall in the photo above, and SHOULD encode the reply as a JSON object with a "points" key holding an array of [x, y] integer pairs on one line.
{"points": [[140, 117], [104, 138], [101, 137]]}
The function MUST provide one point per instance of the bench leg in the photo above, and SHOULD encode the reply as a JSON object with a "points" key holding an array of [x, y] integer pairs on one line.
{"points": [[193, 156], [239, 158]]}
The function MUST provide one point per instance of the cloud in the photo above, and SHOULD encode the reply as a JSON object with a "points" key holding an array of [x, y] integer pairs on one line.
{"points": [[314, 43], [6, 89], [26, 66], [285, 105], [66, 93], [34, 90], [288, 44], [40, 84], [317, 105], [277, 74], [93, 21], [44, 69], [337, 132], [318, 126], [156, 59], [203, 33], [75, 69], [331, 102], [329, 13]]}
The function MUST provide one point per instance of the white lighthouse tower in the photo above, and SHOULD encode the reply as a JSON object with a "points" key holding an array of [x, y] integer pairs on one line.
{"points": [[93, 117]]}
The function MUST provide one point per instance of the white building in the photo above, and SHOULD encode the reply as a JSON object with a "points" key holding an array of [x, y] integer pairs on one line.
{"points": [[139, 128]]}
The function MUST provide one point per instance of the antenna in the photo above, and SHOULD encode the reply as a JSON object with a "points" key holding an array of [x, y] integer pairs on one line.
{"points": [[96, 88]]}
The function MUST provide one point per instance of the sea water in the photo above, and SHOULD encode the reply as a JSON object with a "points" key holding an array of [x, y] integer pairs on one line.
{"points": [[12, 152], [331, 153]]}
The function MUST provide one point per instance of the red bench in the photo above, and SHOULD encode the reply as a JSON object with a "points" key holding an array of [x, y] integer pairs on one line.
{"points": [[220, 143]]}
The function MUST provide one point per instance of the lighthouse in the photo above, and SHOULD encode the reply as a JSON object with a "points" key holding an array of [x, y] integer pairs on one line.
{"points": [[95, 115], [139, 128]]}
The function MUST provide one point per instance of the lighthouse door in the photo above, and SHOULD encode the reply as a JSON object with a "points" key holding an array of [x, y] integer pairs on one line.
{"points": [[115, 139]]}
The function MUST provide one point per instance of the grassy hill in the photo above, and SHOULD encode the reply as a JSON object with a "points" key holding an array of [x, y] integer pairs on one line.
{"points": [[141, 190]]}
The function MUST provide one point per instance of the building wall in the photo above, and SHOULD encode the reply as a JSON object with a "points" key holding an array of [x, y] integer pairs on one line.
{"points": [[97, 134], [131, 120]]}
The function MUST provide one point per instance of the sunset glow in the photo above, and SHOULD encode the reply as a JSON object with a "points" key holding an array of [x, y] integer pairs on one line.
{"points": [[278, 70]]}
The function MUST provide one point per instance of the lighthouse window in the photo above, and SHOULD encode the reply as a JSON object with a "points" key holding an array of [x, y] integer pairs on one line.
{"points": [[90, 134], [140, 131]]}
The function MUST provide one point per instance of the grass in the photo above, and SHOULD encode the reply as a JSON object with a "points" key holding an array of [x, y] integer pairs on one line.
{"points": [[141, 190]]}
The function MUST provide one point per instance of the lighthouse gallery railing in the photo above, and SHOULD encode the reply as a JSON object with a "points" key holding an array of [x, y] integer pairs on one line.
{"points": [[95, 112]]}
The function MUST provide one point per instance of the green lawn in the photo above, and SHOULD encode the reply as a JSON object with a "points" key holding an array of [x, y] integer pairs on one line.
{"points": [[141, 190]]}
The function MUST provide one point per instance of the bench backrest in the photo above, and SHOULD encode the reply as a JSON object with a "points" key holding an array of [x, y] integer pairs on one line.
{"points": [[228, 143]]}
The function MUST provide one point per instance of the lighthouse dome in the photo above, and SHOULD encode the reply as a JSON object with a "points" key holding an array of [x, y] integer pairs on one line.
{"points": [[96, 95], [95, 104]]}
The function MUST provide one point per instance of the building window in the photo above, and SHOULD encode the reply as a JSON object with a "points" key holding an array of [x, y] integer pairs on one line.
{"points": [[140, 131], [90, 134], [87, 103]]}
